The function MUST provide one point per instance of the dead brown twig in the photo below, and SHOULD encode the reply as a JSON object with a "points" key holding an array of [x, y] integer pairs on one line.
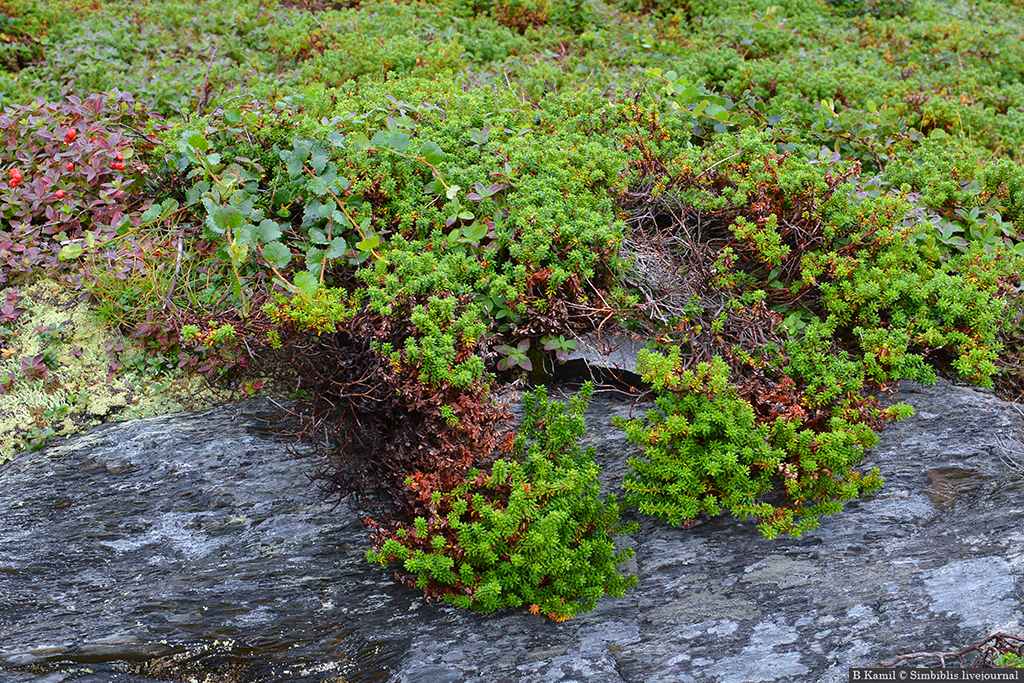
{"points": [[985, 652]]}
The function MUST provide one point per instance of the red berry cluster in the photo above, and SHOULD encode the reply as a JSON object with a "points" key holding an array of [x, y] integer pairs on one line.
{"points": [[119, 164], [69, 135], [15, 177]]}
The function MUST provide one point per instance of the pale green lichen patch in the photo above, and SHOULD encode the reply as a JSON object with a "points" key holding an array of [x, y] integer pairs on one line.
{"points": [[74, 388]]}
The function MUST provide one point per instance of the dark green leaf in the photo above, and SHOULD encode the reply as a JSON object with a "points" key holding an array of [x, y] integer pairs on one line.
{"points": [[278, 254], [337, 248], [227, 216], [195, 193], [151, 214], [432, 153], [269, 231], [314, 257], [294, 164], [475, 232], [336, 138], [247, 233], [399, 141]]}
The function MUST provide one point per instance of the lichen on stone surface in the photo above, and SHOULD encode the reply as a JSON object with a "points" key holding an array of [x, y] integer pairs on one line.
{"points": [[79, 391]]}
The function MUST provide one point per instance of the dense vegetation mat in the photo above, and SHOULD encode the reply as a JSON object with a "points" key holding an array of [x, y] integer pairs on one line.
{"points": [[391, 211]]}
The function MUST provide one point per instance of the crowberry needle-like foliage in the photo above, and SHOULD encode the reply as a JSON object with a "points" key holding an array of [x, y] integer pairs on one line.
{"points": [[533, 531]]}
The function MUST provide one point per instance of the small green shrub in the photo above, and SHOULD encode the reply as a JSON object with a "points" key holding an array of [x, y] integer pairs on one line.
{"points": [[1010, 660], [381, 38], [705, 449], [533, 531]]}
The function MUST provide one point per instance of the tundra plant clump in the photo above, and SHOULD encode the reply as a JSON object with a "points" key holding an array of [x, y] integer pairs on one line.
{"points": [[706, 449], [532, 531]]}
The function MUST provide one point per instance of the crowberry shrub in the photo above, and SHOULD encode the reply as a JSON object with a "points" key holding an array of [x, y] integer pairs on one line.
{"points": [[532, 532]]}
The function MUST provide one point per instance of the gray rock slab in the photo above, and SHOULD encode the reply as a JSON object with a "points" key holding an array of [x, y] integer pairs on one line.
{"points": [[612, 355], [195, 546]]}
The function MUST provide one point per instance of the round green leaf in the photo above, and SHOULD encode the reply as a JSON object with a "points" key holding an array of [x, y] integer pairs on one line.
{"points": [[278, 254]]}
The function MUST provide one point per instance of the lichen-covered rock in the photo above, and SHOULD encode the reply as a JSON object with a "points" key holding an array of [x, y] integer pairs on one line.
{"points": [[195, 546]]}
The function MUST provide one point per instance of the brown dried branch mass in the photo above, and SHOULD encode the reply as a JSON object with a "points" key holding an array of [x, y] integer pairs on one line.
{"points": [[380, 429]]}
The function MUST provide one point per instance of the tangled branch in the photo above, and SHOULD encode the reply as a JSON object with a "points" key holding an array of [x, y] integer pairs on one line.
{"points": [[984, 653]]}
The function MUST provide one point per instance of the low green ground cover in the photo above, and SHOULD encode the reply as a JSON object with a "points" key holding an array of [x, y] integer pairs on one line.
{"points": [[393, 210]]}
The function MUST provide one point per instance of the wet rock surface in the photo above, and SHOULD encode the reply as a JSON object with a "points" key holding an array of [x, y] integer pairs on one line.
{"points": [[194, 546], [607, 357]]}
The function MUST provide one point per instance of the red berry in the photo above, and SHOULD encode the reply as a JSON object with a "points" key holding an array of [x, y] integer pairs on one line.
{"points": [[13, 182], [120, 157], [14, 173], [70, 166], [59, 194], [70, 134], [117, 166]]}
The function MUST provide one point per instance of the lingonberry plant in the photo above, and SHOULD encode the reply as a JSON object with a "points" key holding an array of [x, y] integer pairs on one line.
{"points": [[65, 179]]}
